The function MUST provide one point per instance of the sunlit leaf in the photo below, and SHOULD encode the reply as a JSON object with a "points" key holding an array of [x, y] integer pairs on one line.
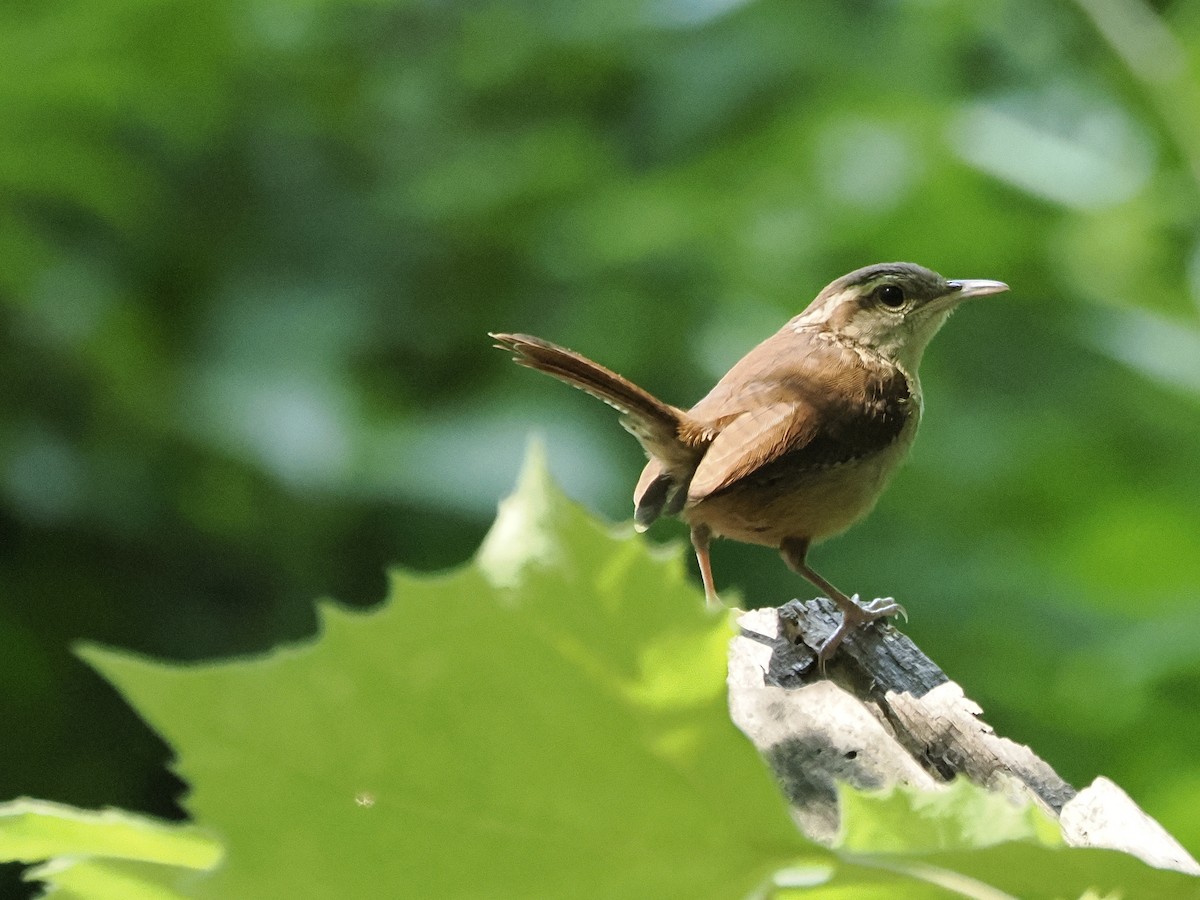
{"points": [[548, 721], [106, 854]]}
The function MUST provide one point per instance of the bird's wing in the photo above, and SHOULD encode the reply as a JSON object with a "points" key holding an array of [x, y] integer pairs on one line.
{"points": [[758, 436], [805, 409]]}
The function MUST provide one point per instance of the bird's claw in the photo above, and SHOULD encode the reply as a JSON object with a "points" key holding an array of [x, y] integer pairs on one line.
{"points": [[879, 608], [885, 606]]}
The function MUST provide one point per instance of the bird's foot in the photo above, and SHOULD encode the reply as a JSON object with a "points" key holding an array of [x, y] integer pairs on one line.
{"points": [[854, 615], [879, 608]]}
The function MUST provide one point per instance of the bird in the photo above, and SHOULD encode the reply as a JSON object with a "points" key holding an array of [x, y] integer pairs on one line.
{"points": [[797, 441]]}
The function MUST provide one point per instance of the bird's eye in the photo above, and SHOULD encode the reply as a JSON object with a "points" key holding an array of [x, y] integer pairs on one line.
{"points": [[891, 296]]}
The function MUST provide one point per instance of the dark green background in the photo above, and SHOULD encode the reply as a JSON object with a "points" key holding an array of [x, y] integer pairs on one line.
{"points": [[249, 252]]}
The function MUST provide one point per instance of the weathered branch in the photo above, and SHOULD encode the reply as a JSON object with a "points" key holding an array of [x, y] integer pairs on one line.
{"points": [[886, 714]]}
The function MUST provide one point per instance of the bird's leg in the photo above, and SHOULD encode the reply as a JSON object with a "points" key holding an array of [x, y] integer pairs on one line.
{"points": [[700, 538], [854, 614]]}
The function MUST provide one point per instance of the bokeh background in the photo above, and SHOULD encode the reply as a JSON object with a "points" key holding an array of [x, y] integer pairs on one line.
{"points": [[249, 252]]}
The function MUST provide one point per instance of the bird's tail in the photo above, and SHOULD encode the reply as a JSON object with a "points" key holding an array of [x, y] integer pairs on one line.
{"points": [[655, 424]]}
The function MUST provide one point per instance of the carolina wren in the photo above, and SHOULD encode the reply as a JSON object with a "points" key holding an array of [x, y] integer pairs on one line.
{"points": [[798, 440]]}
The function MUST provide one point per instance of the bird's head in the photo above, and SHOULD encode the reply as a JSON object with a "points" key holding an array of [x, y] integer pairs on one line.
{"points": [[893, 309]]}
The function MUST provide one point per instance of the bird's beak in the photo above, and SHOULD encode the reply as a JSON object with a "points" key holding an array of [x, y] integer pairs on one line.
{"points": [[963, 289], [976, 287]]}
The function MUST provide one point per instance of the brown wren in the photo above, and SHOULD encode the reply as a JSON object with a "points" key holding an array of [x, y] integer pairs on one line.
{"points": [[797, 441]]}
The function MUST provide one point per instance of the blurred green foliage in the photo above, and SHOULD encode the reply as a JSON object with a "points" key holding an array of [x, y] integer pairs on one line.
{"points": [[249, 251]]}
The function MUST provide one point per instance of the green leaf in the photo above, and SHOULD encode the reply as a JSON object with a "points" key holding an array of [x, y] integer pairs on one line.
{"points": [[73, 878], [32, 830], [103, 854], [548, 721], [966, 841], [961, 817]]}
